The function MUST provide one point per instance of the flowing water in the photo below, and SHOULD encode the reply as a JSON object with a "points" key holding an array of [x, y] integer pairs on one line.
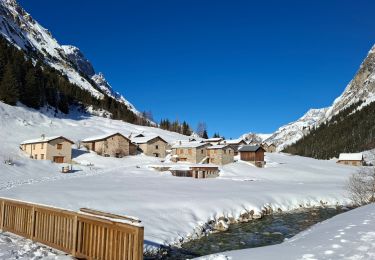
{"points": [[269, 230]]}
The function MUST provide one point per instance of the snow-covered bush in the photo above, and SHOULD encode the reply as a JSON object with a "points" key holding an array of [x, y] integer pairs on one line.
{"points": [[361, 186]]}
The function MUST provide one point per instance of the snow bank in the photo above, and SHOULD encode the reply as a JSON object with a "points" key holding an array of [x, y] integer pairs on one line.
{"points": [[350, 235]]}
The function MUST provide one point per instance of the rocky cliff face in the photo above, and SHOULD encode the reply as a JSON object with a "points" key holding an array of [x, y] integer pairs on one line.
{"points": [[19, 28], [361, 88]]}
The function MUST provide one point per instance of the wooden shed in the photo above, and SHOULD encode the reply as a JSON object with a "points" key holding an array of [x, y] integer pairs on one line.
{"points": [[253, 154], [354, 159]]}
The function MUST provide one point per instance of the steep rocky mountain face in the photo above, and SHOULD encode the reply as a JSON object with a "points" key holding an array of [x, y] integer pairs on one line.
{"points": [[361, 88], [19, 28], [294, 131]]}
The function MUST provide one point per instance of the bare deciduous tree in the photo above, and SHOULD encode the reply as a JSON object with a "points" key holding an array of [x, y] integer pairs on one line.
{"points": [[361, 186]]}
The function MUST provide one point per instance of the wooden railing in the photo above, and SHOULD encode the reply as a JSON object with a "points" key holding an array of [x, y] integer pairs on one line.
{"points": [[90, 235]]}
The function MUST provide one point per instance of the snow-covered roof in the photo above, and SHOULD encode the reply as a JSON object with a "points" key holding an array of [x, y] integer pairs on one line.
{"points": [[45, 139], [216, 139], [218, 146], [233, 141], [101, 137], [145, 139], [189, 145], [187, 167], [350, 157]]}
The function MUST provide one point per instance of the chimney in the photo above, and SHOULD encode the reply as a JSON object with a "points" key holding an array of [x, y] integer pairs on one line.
{"points": [[43, 136]]}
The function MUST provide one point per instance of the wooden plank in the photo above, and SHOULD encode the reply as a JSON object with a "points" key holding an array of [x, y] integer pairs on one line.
{"points": [[108, 215]]}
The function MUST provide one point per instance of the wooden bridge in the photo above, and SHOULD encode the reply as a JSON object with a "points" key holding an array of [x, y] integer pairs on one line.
{"points": [[89, 234]]}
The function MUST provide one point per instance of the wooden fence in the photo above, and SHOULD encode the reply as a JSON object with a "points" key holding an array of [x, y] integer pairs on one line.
{"points": [[89, 235]]}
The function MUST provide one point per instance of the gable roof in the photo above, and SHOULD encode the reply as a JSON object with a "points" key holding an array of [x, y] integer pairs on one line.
{"points": [[102, 137], [350, 157], [250, 148], [46, 140], [214, 139], [233, 141], [189, 145], [146, 139]]}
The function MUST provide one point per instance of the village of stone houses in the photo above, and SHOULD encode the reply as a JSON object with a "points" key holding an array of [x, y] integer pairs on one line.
{"points": [[85, 175], [180, 189]]}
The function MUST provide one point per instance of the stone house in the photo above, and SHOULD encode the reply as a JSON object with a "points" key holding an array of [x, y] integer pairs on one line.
{"points": [[271, 148], [56, 148], [235, 144], [253, 154], [110, 145], [220, 154], [194, 152], [354, 159], [151, 145]]}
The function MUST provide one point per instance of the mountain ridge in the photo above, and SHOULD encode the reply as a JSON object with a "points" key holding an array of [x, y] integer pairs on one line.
{"points": [[19, 28], [361, 90]]}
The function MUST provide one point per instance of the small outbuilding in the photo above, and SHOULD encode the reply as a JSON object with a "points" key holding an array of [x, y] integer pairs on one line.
{"points": [[354, 159], [199, 171], [220, 154], [110, 145], [55, 148], [151, 145], [253, 154]]}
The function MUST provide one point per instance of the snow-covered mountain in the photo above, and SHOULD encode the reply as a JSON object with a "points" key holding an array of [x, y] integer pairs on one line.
{"points": [[361, 88], [19, 28], [294, 131]]}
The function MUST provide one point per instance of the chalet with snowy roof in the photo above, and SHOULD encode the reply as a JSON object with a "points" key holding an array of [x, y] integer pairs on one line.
{"points": [[354, 159], [152, 145], [110, 145], [235, 144], [253, 154], [194, 152], [220, 154], [54, 148]]}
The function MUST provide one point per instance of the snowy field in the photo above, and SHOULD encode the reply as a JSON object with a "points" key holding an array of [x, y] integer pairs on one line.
{"points": [[350, 235], [170, 208]]}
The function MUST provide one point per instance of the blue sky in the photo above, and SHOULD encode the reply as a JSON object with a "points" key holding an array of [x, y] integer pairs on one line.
{"points": [[239, 66]]}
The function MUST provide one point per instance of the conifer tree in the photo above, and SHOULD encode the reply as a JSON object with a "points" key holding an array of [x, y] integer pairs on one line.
{"points": [[9, 86]]}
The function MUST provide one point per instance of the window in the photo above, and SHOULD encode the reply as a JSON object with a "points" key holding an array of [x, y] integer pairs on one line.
{"points": [[33, 146], [225, 151], [59, 146], [41, 145], [42, 156], [35, 156], [201, 151], [156, 147]]}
